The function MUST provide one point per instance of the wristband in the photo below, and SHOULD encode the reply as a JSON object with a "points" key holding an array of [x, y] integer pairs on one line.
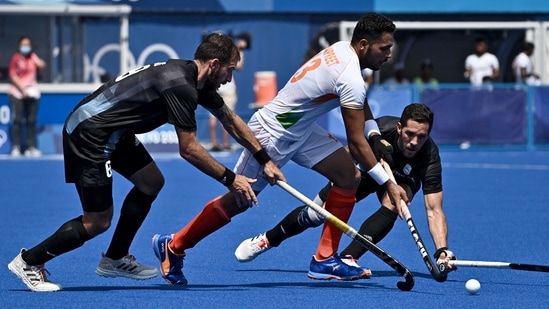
{"points": [[439, 252], [228, 177], [379, 174], [262, 156], [371, 127]]}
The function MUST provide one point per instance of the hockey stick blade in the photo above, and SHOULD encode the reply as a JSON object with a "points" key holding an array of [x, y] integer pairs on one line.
{"points": [[439, 273], [406, 285], [489, 264]]}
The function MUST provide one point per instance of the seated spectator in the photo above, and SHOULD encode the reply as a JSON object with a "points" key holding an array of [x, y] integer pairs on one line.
{"points": [[399, 75], [426, 77]]}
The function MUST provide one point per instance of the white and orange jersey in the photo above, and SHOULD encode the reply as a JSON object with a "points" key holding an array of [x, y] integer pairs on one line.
{"points": [[330, 79]]}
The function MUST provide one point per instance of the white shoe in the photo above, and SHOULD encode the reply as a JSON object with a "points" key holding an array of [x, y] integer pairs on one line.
{"points": [[125, 267], [16, 151], [250, 248], [34, 277], [33, 152], [349, 260]]}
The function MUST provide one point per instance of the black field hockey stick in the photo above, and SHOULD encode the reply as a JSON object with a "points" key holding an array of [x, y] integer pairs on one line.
{"points": [[490, 264], [439, 273], [351, 232]]}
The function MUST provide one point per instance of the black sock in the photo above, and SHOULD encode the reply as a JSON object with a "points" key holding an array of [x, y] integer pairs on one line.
{"points": [[377, 226], [288, 227], [134, 210], [69, 236]]}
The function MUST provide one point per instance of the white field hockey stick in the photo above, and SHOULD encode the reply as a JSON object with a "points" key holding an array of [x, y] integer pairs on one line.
{"points": [[351, 232], [439, 273], [489, 264]]}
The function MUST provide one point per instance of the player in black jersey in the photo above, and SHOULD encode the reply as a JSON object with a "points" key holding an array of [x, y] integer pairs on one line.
{"points": [[415, 163], [99, 138]]}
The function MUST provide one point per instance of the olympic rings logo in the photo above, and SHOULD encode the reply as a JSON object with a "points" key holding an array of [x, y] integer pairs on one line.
{"points": [[94, 70]]}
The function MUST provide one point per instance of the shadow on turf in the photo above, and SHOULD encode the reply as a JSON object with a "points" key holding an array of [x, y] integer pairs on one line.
{"points": [[375, 273], [366, 283]]}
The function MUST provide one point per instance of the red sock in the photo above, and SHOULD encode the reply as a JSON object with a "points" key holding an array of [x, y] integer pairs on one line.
{"points": [[210, 219], [340, 203]]}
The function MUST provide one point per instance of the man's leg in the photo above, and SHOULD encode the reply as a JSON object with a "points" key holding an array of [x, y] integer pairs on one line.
{"points": [[170, 249], [133, 162], [29, 265], [377, 226]]}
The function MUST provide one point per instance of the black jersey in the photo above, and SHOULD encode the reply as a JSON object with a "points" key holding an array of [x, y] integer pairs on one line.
{"points": [[140, 101], [424, 169]]}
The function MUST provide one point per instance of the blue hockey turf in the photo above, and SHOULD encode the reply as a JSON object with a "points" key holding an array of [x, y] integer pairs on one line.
{"points": [[496, 204]]}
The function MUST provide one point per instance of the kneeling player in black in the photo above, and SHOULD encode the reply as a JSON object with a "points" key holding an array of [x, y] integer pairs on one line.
{"points": [[99, 138], [415, 163]]}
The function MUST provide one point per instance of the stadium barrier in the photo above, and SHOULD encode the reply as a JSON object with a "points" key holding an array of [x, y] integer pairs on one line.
{"points": [[498, 115]]}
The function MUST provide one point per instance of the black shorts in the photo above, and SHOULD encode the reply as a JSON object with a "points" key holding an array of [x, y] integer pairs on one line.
{"points": [[89, 166], [368, 186]]}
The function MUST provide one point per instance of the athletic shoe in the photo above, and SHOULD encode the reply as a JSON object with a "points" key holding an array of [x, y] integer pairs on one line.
{"points": [[335, 268], [350, 260], [171, 264], [16, 151], [34, 277], [126, 266], [250, 248], [33, 152]]}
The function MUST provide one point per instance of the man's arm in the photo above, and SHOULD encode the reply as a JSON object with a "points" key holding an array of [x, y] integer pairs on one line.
{"points": [[192, 151], [436, 219], [361, 151], [238, 129], [438, 227]]}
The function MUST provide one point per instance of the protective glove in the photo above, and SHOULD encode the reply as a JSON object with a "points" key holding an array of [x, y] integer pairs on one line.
{"points": [[381, 148], [444, 255]]}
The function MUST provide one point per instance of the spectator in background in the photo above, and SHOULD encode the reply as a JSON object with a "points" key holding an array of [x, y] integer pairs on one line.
{"points": [[426, 76], [229, 94], [24, 96], [523, 68], [399, 75], [481, 66]]}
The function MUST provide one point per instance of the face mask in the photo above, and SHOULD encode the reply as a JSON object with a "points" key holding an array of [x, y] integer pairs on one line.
{"points": [[25, 50]]}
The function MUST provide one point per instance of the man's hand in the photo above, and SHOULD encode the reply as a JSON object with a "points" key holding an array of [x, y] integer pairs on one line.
{"points": [[243, 192], [272, 173], [381, 148], [396, 194], [444, 256]]}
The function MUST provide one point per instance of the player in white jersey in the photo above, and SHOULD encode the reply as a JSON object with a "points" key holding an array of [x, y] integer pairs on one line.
{"points": [[287, 129], [481, 66]]}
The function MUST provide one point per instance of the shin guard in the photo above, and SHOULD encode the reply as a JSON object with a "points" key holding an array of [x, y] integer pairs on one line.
{"points": [[340, 203], [210, 219]]}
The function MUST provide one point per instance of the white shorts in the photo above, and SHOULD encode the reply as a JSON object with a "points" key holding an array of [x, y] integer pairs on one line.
{"points": [[229, 96], [307, 151]]}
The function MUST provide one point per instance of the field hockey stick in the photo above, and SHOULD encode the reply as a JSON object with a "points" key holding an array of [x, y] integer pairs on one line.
{"points": [[439, 273], [489, 264], [351, 232]]}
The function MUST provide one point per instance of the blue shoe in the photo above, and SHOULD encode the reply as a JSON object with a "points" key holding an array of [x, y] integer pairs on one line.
{"points": [[171, 264], [336, 268]]}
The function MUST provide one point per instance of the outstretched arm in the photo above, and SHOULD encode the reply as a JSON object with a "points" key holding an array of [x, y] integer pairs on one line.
{"points": [[438, 226], [363, 154], [192, 151], [238, 129]]}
